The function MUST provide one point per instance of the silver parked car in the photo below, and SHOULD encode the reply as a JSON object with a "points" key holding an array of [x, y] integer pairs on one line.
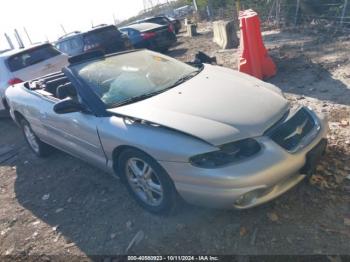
{"points": [[213, 136]]}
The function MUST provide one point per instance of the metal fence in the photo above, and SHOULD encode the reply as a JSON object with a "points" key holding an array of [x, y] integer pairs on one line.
{"points": [[286, 12]]}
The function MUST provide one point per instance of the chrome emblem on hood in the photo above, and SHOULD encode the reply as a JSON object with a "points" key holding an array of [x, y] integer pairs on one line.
{"points": [[297, 131]]}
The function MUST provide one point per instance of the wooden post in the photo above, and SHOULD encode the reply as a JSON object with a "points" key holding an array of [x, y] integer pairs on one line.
{"points": [[238, 6], [278, 10], [343, 13], [271, 11], [236, 15], [209, 10], [195, 5], [297, 12]]}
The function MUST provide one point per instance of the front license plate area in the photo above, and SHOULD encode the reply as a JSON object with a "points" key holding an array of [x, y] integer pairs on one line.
{"points": [[313, 157]]}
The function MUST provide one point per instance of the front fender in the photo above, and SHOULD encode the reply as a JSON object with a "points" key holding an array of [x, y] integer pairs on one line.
{"points": [[161, 143]]}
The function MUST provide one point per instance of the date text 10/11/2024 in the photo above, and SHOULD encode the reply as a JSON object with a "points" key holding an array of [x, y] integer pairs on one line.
{"points": [[173, 258]]}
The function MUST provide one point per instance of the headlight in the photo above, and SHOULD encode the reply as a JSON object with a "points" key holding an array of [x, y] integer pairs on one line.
{"points": [[228, 153]]}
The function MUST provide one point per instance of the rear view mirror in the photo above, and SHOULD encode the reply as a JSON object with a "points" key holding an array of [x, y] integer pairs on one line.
{"points": [[68, 106]]}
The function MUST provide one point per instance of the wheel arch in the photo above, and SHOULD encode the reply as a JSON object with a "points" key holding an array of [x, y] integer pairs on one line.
{"points": [[171, 198], [18, 117], [120, 149], [4, 102], [117, 152]]}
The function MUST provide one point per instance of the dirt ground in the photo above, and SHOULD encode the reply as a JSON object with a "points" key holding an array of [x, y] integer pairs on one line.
{"points": [[63, 206]]}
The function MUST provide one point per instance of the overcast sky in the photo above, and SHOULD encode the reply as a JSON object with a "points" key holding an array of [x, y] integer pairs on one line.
{"points": [[42, 18]]}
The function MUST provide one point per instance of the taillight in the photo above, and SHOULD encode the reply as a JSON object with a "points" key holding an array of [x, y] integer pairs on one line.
{"points": [[148, 35], [90, 47], [171, 28], [14, 81]]}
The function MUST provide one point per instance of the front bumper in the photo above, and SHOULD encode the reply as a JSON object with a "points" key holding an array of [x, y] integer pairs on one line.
{"points": [[272, 172]]}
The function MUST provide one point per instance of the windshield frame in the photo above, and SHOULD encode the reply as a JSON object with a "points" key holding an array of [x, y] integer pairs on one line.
{"points": [[196, 69]]}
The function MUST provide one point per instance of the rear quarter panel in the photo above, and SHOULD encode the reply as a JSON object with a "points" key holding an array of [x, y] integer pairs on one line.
{"points": [[27, 103]]}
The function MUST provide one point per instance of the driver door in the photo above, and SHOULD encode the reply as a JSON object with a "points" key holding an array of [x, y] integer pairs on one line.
{"points": [[74, 133]]}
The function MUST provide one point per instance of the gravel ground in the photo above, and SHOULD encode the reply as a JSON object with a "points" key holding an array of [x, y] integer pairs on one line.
{"points": [[63, 206]]}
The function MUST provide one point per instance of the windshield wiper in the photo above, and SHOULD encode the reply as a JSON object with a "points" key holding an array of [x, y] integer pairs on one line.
{"points": [[142, 97], [135, 99], [185, 78]]}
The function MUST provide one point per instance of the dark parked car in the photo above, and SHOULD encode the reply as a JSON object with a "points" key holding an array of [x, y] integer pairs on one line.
{"points": [[151, 36], [106, 38], [174, 24]]}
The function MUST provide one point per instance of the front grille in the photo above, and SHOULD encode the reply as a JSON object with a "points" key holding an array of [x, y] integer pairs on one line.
{"points": [[291, 133]]}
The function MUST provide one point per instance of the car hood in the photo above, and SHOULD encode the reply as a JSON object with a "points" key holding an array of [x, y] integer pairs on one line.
{"points": [[218, 105]]}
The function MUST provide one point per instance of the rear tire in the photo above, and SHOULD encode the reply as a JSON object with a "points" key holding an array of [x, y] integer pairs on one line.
{"points": [[40, 148], [147, 182]]}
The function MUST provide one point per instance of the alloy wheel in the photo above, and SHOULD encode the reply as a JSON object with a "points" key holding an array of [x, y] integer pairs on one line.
{"points": [[144, 181], [30, 136]]}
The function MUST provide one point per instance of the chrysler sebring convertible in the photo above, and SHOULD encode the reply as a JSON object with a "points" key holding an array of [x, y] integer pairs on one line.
{"points": [[170, 130]]}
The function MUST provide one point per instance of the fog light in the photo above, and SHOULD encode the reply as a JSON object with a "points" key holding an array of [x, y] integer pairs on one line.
{"points": [[250, 197]]}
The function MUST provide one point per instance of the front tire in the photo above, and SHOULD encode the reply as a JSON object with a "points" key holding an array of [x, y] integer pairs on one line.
{"points": [[147, 182], [40, 148]]}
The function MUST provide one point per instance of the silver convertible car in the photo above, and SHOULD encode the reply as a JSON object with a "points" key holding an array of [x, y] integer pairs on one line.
{"points": [[170, 130]]}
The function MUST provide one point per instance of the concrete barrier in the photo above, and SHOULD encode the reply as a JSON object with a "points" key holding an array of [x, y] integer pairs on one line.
{"points": [[187, 21], [225, 34], [191, 30]]}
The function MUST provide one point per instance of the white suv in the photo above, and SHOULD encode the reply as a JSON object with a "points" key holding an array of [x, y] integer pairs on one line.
{"points": [[28, 63]]}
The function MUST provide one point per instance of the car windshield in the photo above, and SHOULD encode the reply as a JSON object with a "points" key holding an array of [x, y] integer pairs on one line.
{"points": [[127, 77]]}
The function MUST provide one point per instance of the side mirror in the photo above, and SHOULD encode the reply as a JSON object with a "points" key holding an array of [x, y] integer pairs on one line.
{"points": [[68, 105]]}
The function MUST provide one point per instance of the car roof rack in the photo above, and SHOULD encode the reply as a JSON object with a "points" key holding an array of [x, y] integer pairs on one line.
{"points": [[5, 50], [69, 34], [100, 25]]}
